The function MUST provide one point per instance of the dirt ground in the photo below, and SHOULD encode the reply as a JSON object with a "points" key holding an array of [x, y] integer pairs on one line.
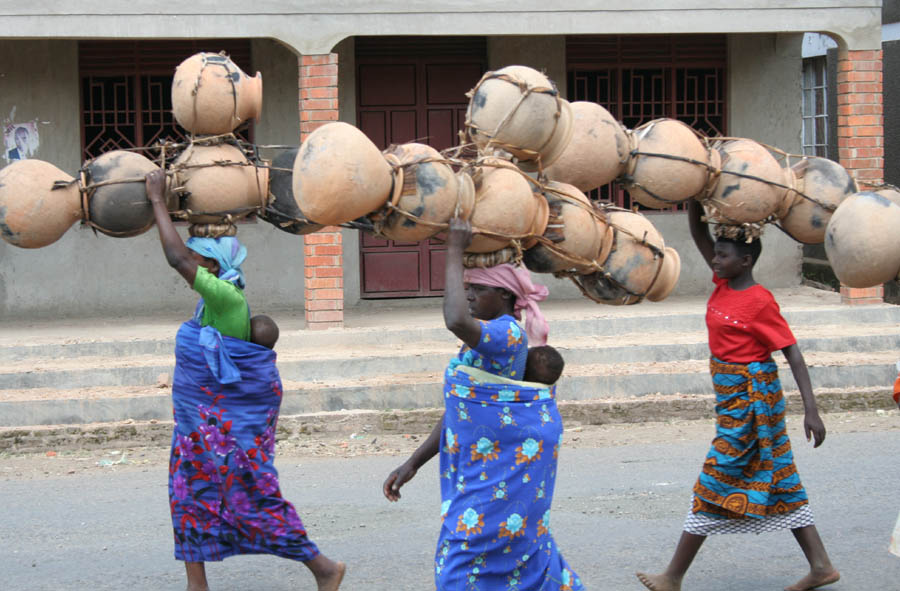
{"points": [[53, 464]]}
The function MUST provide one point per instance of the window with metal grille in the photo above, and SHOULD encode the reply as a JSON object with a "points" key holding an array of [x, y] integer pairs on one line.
{"points": [[815, 107], [639, 78], [126, 90]]}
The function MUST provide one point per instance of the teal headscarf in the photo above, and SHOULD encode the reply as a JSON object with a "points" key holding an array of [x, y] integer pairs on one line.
{"points": [[229, 253]]}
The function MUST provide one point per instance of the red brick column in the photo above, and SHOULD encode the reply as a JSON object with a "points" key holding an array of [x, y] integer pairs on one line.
{"points": [[323, 251], [860, 130]]}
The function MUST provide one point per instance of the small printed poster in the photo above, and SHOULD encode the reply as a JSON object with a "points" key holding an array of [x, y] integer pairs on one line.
{"points": [[22, 141]]}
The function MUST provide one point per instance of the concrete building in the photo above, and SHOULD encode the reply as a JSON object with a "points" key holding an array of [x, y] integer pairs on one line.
{"points": [[93, 76]]}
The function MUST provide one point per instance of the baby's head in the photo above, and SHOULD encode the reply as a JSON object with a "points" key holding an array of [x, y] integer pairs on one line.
{"points": [[263, 331], [544, 365]]}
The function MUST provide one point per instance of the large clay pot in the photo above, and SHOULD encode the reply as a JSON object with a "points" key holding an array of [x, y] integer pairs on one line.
{"points": [[211, 95], [597, 152], [117, 195], [576, 231], [33, 213], [430, 190], [632, 262], [535, 129], [826, 183], [659, 181], [339, 175], [891, 193], [504, 204], [218, 181], [282, 211], [603, 290], [862, 240], [737, 198], [668, 276]]}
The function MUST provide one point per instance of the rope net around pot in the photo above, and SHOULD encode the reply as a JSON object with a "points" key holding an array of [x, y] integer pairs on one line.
{"points": [[179, 170], [525, 90]]}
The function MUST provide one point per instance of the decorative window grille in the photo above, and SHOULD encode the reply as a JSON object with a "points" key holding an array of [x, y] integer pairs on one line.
{"points": [[638, 78], [815, 107], [126, 90]]}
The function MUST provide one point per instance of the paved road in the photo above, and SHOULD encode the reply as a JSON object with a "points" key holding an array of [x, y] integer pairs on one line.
{"points": [[617, 509]]}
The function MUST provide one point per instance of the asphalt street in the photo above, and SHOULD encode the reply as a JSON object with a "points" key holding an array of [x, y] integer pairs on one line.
{"points": [[617, 509]]}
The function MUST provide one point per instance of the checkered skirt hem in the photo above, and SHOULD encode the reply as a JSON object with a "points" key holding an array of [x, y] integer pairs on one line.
{"points": [[703, 525]]}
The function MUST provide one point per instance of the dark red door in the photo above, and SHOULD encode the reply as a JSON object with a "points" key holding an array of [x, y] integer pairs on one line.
{"points": [[411, 89]]}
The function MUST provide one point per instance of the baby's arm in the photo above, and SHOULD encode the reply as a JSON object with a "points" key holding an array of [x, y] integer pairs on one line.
{"points": [[812, 422]]}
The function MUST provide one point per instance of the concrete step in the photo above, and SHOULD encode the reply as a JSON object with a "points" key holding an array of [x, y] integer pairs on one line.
{"points": [[361, 361], [427, 329], [841, 371]]}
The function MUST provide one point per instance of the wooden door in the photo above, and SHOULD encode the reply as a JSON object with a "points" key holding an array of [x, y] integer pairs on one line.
{"points": [[411, 89]]}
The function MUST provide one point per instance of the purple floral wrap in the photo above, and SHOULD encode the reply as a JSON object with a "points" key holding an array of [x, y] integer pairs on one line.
{"points": [[223, 486]]}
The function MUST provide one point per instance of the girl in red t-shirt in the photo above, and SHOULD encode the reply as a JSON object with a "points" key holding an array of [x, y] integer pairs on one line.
{"points": [[749, 482]]}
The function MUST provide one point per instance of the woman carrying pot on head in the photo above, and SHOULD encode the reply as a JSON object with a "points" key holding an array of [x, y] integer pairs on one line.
{"points": [[498, 439], [223, 487]]}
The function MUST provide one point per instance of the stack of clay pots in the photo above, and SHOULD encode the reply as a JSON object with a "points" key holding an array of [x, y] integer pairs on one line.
{"points": [[213, 180], [39, 202]]}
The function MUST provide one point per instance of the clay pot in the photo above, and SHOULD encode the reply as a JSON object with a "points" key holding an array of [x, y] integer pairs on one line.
{"points": [[738, 199], [597, 152], [211, 95], [33, 213], [282, 211], [575, 231], [660, 182], [219, 180], [631, 263], [603, 291], [535, 130], [668, 276], [862, 240], [339, 175], [505, 204], [892, 194], [120, 208], [429, 190], [821, 179]]}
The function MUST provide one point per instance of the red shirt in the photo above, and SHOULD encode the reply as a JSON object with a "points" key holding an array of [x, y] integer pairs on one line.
{"points": [[745, 325]]}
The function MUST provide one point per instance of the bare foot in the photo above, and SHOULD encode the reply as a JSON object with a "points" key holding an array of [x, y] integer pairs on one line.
{"points": [[659, 582], [815, 579], [331, 581]]}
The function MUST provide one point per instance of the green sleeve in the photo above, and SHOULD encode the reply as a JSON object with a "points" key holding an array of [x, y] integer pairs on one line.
{"points": [[225, 306]]}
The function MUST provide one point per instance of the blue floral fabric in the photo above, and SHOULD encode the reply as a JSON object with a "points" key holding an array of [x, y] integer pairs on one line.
{"points": [[223, 486], [502, 349], [498, 457]]}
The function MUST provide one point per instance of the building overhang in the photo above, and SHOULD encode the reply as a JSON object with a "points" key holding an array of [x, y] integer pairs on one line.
{"points": [[313, 27]]}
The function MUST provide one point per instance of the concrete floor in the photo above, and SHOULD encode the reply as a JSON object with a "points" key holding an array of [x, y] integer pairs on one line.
{"points": [[619, 507]]}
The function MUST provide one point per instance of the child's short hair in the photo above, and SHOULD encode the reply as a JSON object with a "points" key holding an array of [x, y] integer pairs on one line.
{"points": [[263, 331], [742, 247], [544, 365]]}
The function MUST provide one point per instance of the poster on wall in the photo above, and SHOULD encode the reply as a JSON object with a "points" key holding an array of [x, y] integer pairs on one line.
{"points": [[21, 140]]}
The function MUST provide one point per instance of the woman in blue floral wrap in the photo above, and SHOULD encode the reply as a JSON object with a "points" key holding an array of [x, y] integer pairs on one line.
{"points": [[223, 487], [498, 440]]}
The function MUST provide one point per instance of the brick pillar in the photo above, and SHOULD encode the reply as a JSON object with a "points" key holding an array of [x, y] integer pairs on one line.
{"points": [[322, 250], [860, 130]]}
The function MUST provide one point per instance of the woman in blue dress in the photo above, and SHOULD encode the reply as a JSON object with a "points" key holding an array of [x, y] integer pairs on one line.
{"points": [[224, 494], [498, 439]]}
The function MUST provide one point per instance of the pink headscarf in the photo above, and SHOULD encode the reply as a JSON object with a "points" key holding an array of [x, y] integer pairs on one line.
{"points": [[517, 281]]}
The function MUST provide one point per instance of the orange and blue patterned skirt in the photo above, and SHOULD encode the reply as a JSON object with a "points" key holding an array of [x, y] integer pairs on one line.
{"points": [[749, 472]]}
